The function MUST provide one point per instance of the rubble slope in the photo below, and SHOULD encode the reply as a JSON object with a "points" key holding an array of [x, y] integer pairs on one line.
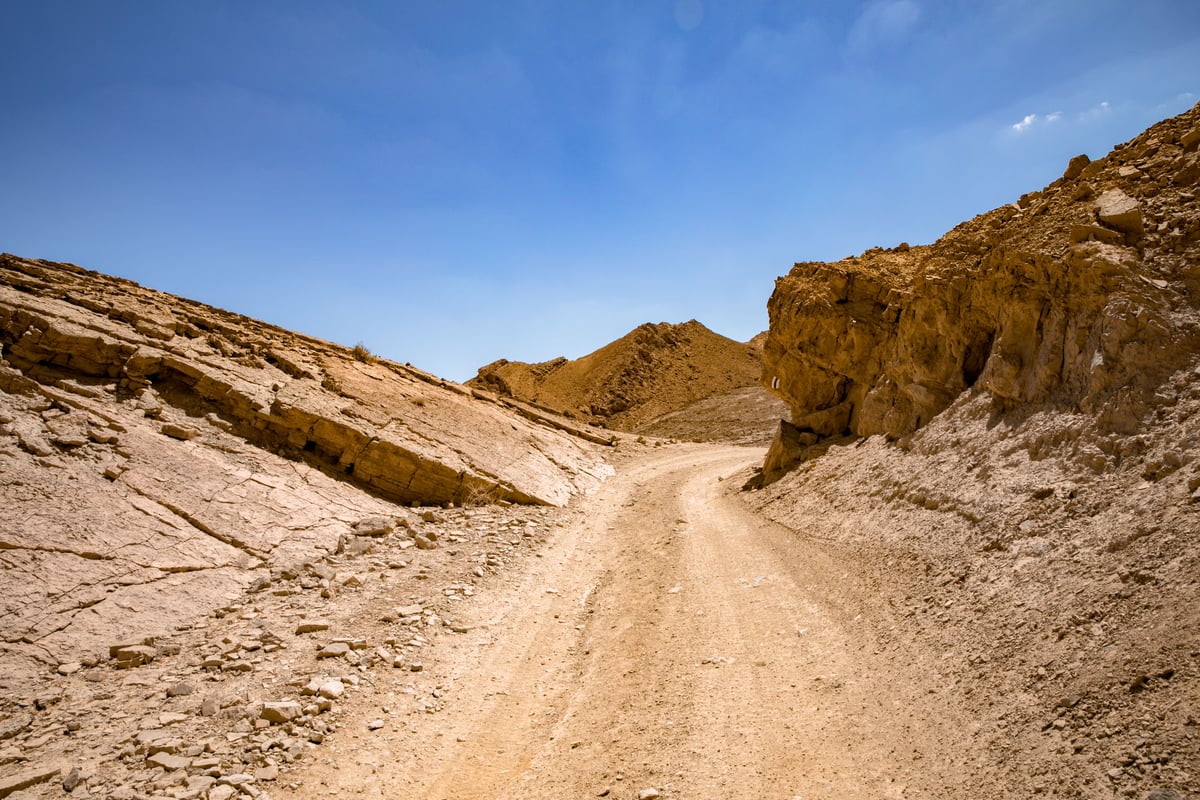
{"points": [[1007, 423]]}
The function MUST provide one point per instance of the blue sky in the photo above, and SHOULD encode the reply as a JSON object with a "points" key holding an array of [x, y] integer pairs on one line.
{"points": [[456, 182]]}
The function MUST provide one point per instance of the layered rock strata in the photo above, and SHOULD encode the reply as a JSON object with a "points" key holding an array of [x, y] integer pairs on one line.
{"points": [[1082, 296], [158, 456], [400, 433]]}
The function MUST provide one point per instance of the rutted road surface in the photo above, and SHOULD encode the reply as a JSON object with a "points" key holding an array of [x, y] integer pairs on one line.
{"points": [[667, 640]]}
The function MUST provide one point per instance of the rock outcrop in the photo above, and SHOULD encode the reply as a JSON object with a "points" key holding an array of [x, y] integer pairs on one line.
{"points": [[655, 370], [158, 456], [1081, 296], [393, 430]]}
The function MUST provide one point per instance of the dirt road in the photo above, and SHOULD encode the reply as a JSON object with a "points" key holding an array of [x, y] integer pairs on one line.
{"points": [[668, 639]]}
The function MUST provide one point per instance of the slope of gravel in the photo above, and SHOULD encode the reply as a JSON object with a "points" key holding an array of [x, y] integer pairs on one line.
{"points": [[1061, 594]]}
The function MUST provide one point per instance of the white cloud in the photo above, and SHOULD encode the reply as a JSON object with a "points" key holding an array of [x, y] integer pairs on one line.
{"points": [[1025, 124], [1031, 120]]}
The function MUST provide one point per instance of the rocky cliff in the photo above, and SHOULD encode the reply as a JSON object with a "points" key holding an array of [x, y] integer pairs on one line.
{"points": [[654, 370], [1009, 420], [1082, 296]]}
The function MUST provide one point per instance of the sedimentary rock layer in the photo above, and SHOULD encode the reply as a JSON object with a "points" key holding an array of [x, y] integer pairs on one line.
{"points": [[393, 430], [1083, 295]]}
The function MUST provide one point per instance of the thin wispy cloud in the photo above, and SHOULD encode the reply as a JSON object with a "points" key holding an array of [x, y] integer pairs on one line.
{"points": [[1025, 124], [883, 22], [689, 14], [1030, 121], [1096, 112]]}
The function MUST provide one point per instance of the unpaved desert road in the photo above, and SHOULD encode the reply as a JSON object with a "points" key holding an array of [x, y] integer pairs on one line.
{"points": [[672, 640]]}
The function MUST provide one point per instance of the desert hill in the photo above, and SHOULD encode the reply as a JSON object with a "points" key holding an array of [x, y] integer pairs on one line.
{"points": [[654, 371], [1008, 420], [158, 454]]}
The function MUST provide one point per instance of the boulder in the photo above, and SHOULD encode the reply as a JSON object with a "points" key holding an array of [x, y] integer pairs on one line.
{"points": [[1118, 210], [1075, 167], [281, 711]]}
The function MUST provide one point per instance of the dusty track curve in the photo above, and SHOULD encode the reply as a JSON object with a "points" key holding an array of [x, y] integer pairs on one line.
{"points": [[669, 639]]}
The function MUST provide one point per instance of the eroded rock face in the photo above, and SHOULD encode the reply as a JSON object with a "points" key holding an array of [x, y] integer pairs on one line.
{"points": [[1083, 295], [158, 456], [400, 433]]}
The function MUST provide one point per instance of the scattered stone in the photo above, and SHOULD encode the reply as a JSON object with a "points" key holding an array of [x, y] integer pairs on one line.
{"points": [[72, 779], [649, 794], [332, 689], [25, 780], [168, 761], [134, 655], [1075, 166], [1087, 233], [180, 689], [374, 526], [1164, 794], [423, 542], [15, 724], [200, 783], [181, 432], [282, 711], [1120, 211], [70, 668], [375, 724], [312, 626], [334, 650], [222, 792]]}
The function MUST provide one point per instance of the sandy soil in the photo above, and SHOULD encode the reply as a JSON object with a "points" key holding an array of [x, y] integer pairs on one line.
{"points": [[667, 639]]}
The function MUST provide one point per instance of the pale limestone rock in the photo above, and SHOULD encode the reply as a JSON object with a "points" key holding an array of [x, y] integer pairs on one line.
{"points": [[169, 762], [26, 779], [181, 432], [1118, 210], [281, 711]]}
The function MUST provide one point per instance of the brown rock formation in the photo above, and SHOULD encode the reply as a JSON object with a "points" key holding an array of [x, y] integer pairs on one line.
{"points": [[157, 455], [653, 371], [1081, 296], [391, 429]]}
